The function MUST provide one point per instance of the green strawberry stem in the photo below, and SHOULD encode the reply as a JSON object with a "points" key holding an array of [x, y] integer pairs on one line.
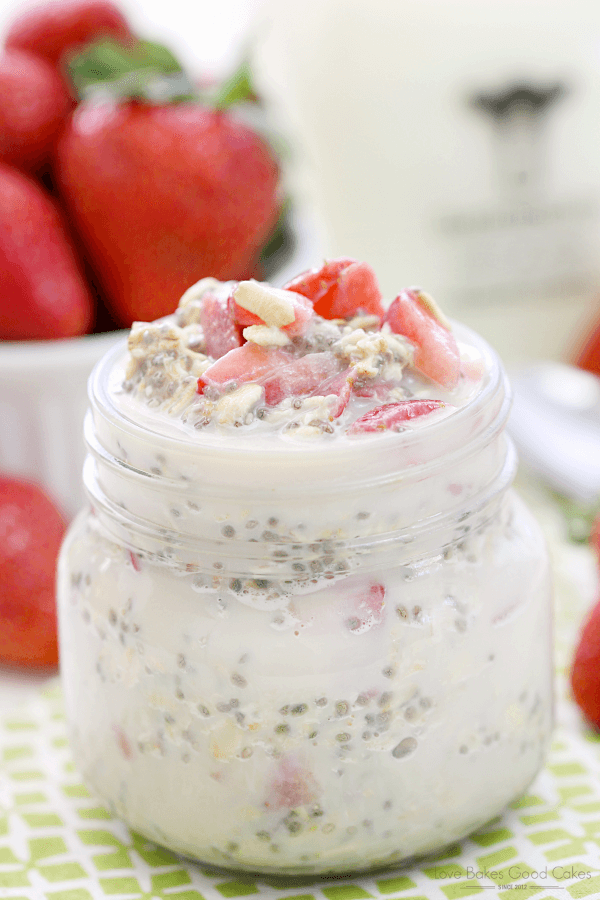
{"points": [[147, 72], [237, 89]]}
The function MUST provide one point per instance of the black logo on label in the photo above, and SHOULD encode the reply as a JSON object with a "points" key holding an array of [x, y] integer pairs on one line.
{"points": [[519, 113]]}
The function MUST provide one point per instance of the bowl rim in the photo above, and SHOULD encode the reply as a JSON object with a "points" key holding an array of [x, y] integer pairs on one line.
{"points": [[18, 356]]}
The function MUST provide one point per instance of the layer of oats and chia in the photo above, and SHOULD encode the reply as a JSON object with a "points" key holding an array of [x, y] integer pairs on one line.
{"points": [[200, 370]]}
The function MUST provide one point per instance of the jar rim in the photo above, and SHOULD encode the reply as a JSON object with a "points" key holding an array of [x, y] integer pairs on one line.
{"points": [[462, 429]]}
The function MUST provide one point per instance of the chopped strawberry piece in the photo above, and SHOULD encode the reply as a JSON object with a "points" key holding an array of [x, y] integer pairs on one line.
{"points": [[303, 312], [300, 377], [292, 785], [317, 283], [221, 334], [123, 742], [341, 385], [243, 317], [367, 610], [340, 288], [585, 674], [378, 389], [246, 363], [392, 415], [436, 350]]}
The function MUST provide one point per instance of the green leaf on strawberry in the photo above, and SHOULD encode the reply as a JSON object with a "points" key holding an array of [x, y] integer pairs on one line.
{"points": [[129, 72], [238, 88]]}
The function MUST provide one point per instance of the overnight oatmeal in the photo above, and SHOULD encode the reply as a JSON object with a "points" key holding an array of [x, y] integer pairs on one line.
{"points": [[305, 622]]}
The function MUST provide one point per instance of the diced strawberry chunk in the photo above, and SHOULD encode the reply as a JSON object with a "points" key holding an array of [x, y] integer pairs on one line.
{"points": [[300, 377], [246, 363], [292, 785], [391, 415], [377, 389], [303, 311], [341, 385], [242, 316], [340, 288], [367, 610], [221, 334], [317, 283], [436, 350]]}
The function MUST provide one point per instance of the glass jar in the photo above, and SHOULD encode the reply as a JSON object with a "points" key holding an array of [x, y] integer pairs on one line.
{"points": [[302, 658]]}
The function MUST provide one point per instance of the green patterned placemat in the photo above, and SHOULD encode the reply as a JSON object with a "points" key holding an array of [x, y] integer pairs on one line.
{"points": [[57, 842]]}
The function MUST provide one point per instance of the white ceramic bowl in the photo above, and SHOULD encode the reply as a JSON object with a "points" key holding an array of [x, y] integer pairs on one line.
{"points": [[43, 399]]}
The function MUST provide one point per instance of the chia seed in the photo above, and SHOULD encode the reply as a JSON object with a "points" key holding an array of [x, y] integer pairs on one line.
{"points": [[404, 748]]}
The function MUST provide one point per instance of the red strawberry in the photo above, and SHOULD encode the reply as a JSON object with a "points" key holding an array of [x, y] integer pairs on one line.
{"points": [[52, 29], [292, 785], [163, 196], [366, 610], [302, 308], [340, 288], [42, 291], [33, 105], [300, 377], [31, 531], [246, 363], [588, 356], [221, 333], [436, 350], [392, 415], [585, 674]]}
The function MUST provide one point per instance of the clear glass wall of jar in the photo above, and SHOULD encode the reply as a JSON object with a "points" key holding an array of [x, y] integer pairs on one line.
{"points": [[308, 659]]}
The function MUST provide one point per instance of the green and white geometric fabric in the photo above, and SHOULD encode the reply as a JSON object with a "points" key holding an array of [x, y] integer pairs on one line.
{"points": [[58, 843]]}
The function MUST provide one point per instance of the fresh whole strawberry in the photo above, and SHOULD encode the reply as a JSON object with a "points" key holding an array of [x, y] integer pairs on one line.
{"points": [[34, 103], [585, 673], [52, 30], [31, 531], [163, 194], [42, 291]]}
